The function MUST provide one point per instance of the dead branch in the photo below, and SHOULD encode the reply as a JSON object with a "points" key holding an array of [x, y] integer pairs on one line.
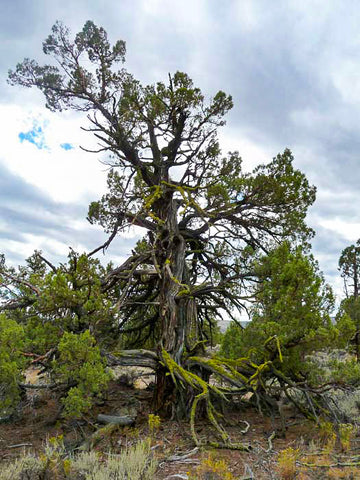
{"points": [[246, 429], [270, 439], [53, 268], [133, 358], [122, 420], [180, 458], [39, 358], [106, 244], [36, 386], [22, 282], [19, 445]]}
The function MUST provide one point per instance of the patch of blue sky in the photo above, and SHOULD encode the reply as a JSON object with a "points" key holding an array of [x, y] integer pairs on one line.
{"points": [[66, 146], [35, 136], [240, 196]]}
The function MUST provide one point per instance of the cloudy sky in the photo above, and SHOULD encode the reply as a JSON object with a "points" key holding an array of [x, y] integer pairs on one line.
{"points": [[293, 69]]}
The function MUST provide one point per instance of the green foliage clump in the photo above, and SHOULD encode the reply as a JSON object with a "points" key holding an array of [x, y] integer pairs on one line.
{"points": [[73, 295], [346, 327], [232, 345], [345, 372], [12, 341], [68, 298], [348, 324], [290, 316], [349, 266], [80, 366]]}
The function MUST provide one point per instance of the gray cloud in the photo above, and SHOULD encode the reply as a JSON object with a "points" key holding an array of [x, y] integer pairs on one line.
{"points": [[24, 210]]}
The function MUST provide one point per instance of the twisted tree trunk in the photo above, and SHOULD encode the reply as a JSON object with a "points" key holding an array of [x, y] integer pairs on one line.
{"points": [[170, 248]]}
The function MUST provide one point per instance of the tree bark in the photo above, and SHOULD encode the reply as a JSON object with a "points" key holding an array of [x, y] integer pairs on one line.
{"points": [[170, 251], [133, 358]]}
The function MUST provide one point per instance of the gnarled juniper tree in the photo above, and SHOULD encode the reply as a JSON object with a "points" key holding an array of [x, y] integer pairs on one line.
{"points": [[202, 216]]}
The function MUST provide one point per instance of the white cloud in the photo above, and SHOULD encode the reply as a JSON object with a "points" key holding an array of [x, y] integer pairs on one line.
{"points": [[247, 15], [346, 78], [348, 230], [251, 153], [65, 175]]}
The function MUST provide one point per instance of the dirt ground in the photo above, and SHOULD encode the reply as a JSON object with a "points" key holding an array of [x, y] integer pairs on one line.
{"points": [[39, 422]]}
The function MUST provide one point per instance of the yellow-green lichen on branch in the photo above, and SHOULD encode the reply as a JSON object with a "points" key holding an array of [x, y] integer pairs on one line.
{"points": [[186, 289], [150, 199]]}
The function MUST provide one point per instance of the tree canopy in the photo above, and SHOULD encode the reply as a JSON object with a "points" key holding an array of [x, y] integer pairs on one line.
{"points": [[204, 220]]}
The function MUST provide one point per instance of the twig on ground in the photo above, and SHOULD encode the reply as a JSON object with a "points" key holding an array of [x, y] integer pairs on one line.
{"points": [[176, 458], [182, 476], [248, 473], [246, 429], [328, 465], [19, 445], [270, 439]]}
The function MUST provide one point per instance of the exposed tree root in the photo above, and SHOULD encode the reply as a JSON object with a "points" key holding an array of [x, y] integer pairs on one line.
{"points": [[241, 374]]}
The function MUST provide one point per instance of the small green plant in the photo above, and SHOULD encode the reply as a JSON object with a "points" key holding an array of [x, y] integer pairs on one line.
{"points": [[55, 446], [154, 422], [53, 457], [327, 436], [211, 469], [287, 463], [346, 433]]}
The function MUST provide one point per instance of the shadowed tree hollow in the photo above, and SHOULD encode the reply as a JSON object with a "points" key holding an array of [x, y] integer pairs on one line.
{"points": [[203, 217]]}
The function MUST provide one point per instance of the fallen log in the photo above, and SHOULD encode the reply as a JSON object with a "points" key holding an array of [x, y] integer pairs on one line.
{"points": [[122, 420], [133, 358]]}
